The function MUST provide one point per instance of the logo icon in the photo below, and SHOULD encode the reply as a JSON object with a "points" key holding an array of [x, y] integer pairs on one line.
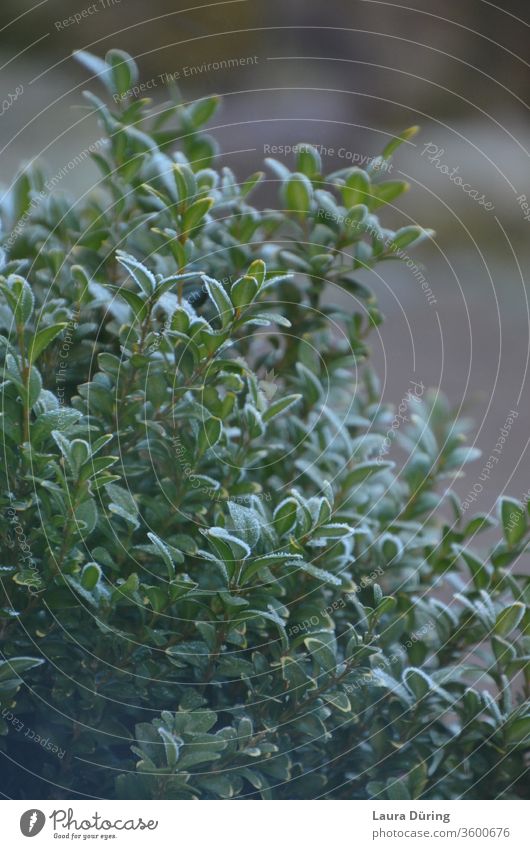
{"points": [[32, 822]]}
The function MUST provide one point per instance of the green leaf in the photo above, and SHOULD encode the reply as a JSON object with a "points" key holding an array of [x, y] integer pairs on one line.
{"points": [[363, 471], [406, 236], [246, 522], [42, 339], [280, 406], [123, 504], [338, 700], [139, 273], [64, 446], [355, 216], [63, 418], [333, 530], [138, 304], [285, 516], [517, 731], [131, 585], [385, 605], [397, 789], [21, 298], [322, 575], [172, 746], [209, 434], [227, 546], [514, 520], [168, 283], [86, 516], [34, 387], [268, 561], [195, 214], [123, 71], [298, 193], [308, 160], [504, 652], [165, 552], [509, 619], [391, 547], [323, 651], [356, 189], [90, 576], [220, 299], [96, 66], [13, 667], [257, 270], [481, 572], [185, 182], [251, 183], [388, 191], [202, 110], [418, 682], [270, 616], [244, 291], [393, 145]]}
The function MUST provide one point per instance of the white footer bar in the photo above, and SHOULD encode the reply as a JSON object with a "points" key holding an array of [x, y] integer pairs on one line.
{"points": [[266, 825]]}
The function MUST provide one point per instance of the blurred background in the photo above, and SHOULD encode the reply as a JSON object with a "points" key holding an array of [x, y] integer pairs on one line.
{"points": [[344, 75]]}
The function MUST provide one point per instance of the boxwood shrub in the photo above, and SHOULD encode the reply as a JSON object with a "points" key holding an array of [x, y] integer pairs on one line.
{"points": [[228, 569]]}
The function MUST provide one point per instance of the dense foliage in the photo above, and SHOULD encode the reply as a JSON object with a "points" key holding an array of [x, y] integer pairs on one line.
{"points": [[216, 582]]}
